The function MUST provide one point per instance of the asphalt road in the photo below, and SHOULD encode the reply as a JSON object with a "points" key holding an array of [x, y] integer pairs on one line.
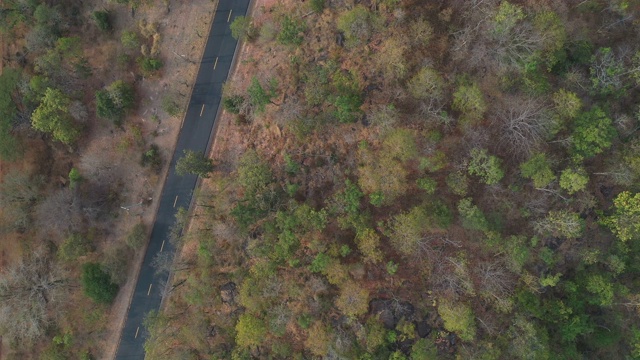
{"points": [[195, 135]]}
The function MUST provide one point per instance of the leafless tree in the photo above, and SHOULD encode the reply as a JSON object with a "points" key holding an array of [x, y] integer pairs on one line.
{"points": [[524, 125], [18, 194], [496, 283], [60, 213], [30, 296]]}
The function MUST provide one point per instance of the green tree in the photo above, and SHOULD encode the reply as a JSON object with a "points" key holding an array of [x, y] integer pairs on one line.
{"points": [[52, 116], [113, 101], [625, 220], [8, 109], [458, 318], [426, 84], [357, 24], [407, 230], [250, 330], [472, 217], [573, 180], [103, 20], [561, 223], [593, 133], [353, 300], [538, 169], [506, 18], [74, 246], [259, 97], [567, 104], [97, 284], [468, 100], [242, 28], [487, 167], [194, 163], [291, 31]]}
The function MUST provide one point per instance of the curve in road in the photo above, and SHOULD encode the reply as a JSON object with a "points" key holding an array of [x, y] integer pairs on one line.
{"points": [[195, 135]]}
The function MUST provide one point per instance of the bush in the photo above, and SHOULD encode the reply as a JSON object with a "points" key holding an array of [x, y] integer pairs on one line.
{"points": [[103, 20], [242, 28], [291, 31], [170, 105], [152, 158], [150, 64], [137, 236], [129, 39], [317, 6], [113, 101], [97, 284], [233, 104], [75, 246]]}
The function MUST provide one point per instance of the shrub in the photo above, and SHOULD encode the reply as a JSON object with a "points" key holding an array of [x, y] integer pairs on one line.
{"points": [[233, 103], [129, 39], [149, 64], [317, 6], [75, 246], [103, 20], [137, 236], [170, 105], [152, 158], [242, 28], [97, 284], [291, 31]]}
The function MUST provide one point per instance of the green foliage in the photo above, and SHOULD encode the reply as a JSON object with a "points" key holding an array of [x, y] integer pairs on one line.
{"points": [[472, 217], [567, 104], [353, 300], [253, 174], [320, 263], [137, 236], [74, 246], [506, 18], [376, 198], [74, 178], [625, 220], [250, 330], [103, 20], [152, 158], [194, 163], [97, 284], [601, 289], [317, 6], [242, 28], [458, 183], [422, 349], [573, 180], [52, 116], [233, 104], [458, 318], [561, 223], [8, 142], [469, 101], [290, 167], [392, 268], [113, 101], [170, 105], [357, 24], [150, 64], [427, 184], [368, 242], [606, 73], [538, 169], [259, 97], [593, 133], [400, 144], [407, 230], [130, 39], [291, 31], [435, 162], [374, 334], [487, 167]]}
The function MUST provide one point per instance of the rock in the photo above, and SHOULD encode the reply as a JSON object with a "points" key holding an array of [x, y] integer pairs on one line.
{"points": [[229, 292]]}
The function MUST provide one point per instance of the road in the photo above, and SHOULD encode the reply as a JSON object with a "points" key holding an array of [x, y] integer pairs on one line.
{"points": [[195, 134]]}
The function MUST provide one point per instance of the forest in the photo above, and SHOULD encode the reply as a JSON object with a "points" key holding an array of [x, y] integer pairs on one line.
{"points": [[406, 179], [88, 110]]}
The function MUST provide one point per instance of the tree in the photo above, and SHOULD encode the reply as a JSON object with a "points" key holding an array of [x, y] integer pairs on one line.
{"points": [[607, 73], [31, 292], [392, 60], [593, 133], [8, 110], [525, 124], [353, 300], [137, 236], [468, 100], [52, 116], [74, 246], [487, 167], [97, 284], [19, 192], [538, 169], [573, 180], [61, 212], [472, 217], [254, 175], [561, 223], [368, 242], [250, 330], [194, 163], [318, 339], [407, 230], [625, 220], [291, 31], [426, 84], [567, 104], [506, 18], [357, 24], [259, 97], [242, 28], [113, 101], [103, 20], [458, 318]]}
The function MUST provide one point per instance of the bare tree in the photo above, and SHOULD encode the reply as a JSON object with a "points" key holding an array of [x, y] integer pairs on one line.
{"points": [[61, 212], [524, 125], [18, 194], [30, 295], [496, 283]]}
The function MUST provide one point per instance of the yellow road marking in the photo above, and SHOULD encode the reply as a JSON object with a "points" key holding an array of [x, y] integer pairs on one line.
{"points": [[229, 18], [138, 329], [176, 200], [149, 292], [201, 111], [162, 247], [215, 64]]}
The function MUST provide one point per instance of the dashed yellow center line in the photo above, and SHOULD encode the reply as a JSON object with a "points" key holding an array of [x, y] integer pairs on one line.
{"points": [[215, 63], [229, 18], [149, 292], [176, 200], [138, 329], [202, 111], [162, 247]]}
